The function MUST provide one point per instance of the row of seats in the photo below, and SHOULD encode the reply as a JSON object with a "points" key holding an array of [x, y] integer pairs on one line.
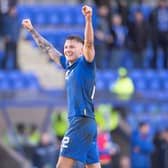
{"points": [[138, 108], [157, 122], [52, 14], [17, 80], [143, 80], [67, 14]]}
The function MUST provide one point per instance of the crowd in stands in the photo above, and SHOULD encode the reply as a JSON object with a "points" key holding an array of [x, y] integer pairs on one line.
{"points": [[146, 148], [132, 36]]}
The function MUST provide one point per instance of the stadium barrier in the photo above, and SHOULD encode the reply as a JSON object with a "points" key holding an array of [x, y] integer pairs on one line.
{"points": [[9, 158]]}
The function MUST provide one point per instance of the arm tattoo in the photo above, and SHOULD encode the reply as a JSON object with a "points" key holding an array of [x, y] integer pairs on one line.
{"points": [[44, 45]]}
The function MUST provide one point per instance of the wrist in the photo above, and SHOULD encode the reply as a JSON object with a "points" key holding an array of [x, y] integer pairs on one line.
{"points": [[89, 19], [32, 30]]}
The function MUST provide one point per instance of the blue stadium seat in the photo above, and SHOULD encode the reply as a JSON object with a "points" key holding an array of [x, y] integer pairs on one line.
{"points": [[30, 81], [25, 11], [137, 108], [164, 108], [5, 85], [152, 108], [140, 84], [136, 74], [40, 17], [100, 84], [17, 80], [55, 16], [154, 84]]}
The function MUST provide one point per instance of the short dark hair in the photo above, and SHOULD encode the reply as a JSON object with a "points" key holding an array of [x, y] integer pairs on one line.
{"points": [[143, 123], [76, 38]]}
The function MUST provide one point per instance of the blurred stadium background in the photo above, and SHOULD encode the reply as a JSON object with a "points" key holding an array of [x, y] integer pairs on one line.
{"points": [[33, 99]]}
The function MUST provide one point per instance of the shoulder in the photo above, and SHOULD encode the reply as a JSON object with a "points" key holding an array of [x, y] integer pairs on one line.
{"points": [[63, 61], [85, 62]]}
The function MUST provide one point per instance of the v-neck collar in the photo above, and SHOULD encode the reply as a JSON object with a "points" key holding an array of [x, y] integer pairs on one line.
{"points": [[72, 65]]}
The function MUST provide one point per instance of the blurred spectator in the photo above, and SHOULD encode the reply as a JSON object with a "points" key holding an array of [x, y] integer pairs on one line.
{"points": [[34, 135], [107, 148], [59, 124], [45, 152], [160, 155], [106, 117], [3, 11], [11, 37], [138, 39], [104, 2], [125, 162], [141, 146], [9, 138], [141, 5], [103, 37], [123, 87], [21, 134], [119, 33], [159, 32], [123, 10]]}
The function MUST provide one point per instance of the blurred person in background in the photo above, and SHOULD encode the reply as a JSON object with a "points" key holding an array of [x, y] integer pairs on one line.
{"points": [[124, 162], [45, 152], [103, 38], [79, 142], [159, 32], [141, 146], [107, 148], [11, 38], [104, 2], [21, 134], [123, 10], [34, 135], [59, 124], [160, 155], [118, 50], [107, 117], [123, 87], [138, 37]]}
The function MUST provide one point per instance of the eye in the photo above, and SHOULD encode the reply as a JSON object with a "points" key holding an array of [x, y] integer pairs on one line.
{"points": [[72, 46]]}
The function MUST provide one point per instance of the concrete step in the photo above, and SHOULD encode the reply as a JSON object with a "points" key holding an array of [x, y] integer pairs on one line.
{"points": [[32, 59]]}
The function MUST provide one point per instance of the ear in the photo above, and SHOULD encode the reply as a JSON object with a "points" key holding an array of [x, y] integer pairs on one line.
{"points": [[82, 50]]}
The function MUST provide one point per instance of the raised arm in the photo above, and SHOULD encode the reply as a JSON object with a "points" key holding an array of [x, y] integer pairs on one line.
{"points": [[89, 51], [44, 45]]}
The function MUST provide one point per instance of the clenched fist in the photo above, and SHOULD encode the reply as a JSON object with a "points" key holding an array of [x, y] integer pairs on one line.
{"points": [[87, 11], [27, 24]]}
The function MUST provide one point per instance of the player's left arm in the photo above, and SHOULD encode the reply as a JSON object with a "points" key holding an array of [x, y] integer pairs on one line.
{"points": [[88, 50]]}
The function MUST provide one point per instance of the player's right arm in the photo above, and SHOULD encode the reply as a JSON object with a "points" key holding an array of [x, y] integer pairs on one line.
{"points": [[44, 45]]}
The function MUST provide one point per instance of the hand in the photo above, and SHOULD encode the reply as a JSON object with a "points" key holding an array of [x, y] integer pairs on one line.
{"points": [[87, 11], [27, 24]]}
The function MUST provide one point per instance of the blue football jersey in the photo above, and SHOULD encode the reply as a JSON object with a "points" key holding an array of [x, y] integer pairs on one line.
{"points": [[80, 85]]}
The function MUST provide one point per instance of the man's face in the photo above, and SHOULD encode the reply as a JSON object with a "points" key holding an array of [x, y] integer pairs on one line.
{"points": [[162, 3], [145, 129], [72, 50]]}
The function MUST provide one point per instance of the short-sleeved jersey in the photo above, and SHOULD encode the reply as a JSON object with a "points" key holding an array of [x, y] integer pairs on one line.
{"points": [[80, 85]]}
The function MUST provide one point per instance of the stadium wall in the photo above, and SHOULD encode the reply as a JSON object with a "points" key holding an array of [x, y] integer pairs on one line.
{"points": [[9, 158]]}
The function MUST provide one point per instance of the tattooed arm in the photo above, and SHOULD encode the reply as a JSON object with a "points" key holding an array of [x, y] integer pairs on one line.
{"points": [[44, 45]]}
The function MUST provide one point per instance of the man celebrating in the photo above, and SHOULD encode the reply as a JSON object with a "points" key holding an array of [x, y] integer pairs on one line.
{"points": [[79, 142]]}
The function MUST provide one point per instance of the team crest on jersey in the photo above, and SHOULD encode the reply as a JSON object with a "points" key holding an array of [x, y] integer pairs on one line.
{"points": [[68, 73]]}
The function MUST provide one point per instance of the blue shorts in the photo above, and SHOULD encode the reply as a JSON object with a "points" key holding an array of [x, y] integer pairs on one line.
{"points": [[80, 140]]}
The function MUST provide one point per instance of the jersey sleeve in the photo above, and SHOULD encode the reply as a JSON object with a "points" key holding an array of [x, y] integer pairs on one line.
{"points": [[63, 61], [89, 64]]}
